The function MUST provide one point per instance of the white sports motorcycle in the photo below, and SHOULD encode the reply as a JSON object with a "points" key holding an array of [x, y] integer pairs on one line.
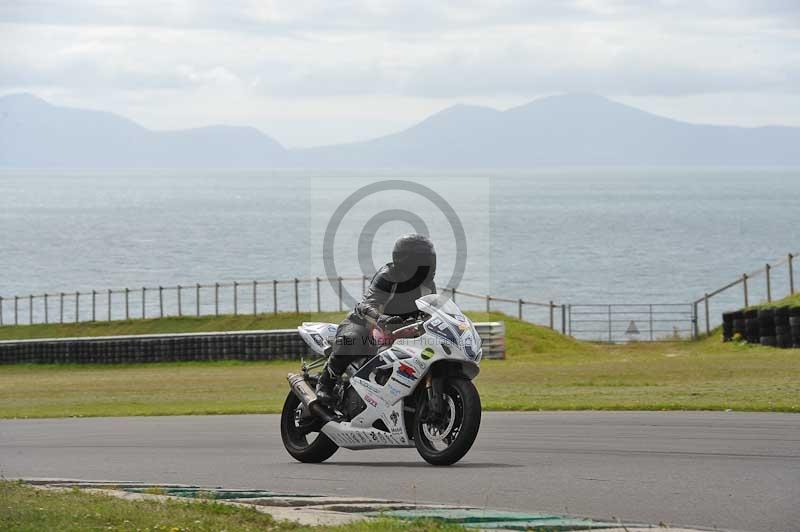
{"points": [[416, 392]]}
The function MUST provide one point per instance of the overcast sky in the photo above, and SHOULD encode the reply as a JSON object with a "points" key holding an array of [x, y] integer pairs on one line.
{"points": [[316, 72]]}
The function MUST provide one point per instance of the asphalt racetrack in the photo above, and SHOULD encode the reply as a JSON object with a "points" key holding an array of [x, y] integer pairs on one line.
{"points": [[734, 471]]}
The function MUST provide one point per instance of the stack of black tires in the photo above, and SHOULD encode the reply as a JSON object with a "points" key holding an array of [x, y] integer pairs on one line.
{"points": [[776, 327]]}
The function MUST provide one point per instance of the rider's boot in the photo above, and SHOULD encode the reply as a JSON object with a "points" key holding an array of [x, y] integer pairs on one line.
{"points": [[325, 386]]}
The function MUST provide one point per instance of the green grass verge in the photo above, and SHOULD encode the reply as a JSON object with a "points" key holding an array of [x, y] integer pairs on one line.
{"points": [[543, 371], [791, 301], [24, 508], [185, 324]]}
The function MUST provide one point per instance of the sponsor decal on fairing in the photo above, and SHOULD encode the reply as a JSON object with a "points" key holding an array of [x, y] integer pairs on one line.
{"points": [[406, 371], [371, 400]]}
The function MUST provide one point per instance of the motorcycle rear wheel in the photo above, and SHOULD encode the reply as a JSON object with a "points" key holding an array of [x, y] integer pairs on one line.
{"points": [[297, 442], [448, 441]]}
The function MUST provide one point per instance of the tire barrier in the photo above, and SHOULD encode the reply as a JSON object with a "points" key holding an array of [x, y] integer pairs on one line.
{"points": [[776, 327], [766, 321], [240, 345], [794, 325], [279, 344], [740, 327]]}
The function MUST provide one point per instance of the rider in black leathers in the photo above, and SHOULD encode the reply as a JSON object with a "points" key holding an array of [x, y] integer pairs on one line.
{"points": [[389, 299]]}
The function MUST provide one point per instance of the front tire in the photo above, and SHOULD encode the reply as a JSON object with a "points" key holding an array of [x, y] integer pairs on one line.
{"points": [[447, 442], [296, 441]]}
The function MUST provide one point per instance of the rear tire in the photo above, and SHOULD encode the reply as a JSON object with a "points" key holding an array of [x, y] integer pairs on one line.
{"points": [[464, 407], [296, 443]]}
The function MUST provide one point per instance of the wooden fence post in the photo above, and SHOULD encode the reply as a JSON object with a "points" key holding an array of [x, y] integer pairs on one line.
{"points": [[488, 303], [197, 299], [77, 306], [695, 320], [94, 305], [180, 303], [552, 321], [319, 304], [791, 274], [46, 316], [453, 295], [296, 296], [744, 285], [275, 296], [30, 309], [708, 324], [340, 294], [16, 310], [127, 304], [767, 268], [519, 310], [144, 301], [60, 307], [563, 319], [255, 298], [235, 298], [108, 310], [160, 301]]}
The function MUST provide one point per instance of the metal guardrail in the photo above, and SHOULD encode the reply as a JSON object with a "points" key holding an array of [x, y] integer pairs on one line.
{"points": [[275, 344], [493, 339]]}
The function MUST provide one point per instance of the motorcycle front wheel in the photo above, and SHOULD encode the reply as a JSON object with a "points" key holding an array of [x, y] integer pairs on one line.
{"points": [[448, 440], [300, 443]]}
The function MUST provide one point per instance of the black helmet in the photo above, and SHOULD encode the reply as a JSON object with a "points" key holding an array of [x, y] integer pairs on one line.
{"points": [[414, 254]]}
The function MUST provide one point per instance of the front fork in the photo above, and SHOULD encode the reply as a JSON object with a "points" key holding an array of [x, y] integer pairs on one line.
{"points": [[434, 388]]}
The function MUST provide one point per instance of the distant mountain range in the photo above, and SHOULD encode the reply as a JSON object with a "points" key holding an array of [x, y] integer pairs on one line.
{"points": [[572, 129]]}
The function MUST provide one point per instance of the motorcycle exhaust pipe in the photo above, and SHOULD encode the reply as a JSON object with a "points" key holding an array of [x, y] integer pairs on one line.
{"points": [[308, 396]]}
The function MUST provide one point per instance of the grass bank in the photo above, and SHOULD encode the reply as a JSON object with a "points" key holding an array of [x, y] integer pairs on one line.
{"points": [[543, 370], [24, 508], [793, 301], [186, 324]]}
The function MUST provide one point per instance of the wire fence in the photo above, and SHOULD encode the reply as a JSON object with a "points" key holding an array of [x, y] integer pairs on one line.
{"points": [[599, 322], [548, 313], [236, 297], [766, 284], [297, 295], [619, 323]]}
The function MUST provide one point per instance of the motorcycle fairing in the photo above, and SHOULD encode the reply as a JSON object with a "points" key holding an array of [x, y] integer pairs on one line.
{"points": [[383, 402], [448, 323], [319, 336], [409, 360], [393, 374]]}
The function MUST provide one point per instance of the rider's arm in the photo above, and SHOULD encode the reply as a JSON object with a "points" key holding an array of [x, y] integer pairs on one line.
{"points": [[378, 294]]}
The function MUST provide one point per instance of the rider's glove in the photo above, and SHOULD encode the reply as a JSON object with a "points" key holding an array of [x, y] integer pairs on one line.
{"points": [[386, 321]]}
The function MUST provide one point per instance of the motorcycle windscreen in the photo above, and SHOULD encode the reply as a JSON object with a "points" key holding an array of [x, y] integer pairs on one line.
{"points": [[450, 323]]}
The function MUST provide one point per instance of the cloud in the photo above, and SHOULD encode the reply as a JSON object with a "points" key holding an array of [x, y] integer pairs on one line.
{"points": [[517, 69], [375, 15], [275, 16], [415, 48], [335, 56]]}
